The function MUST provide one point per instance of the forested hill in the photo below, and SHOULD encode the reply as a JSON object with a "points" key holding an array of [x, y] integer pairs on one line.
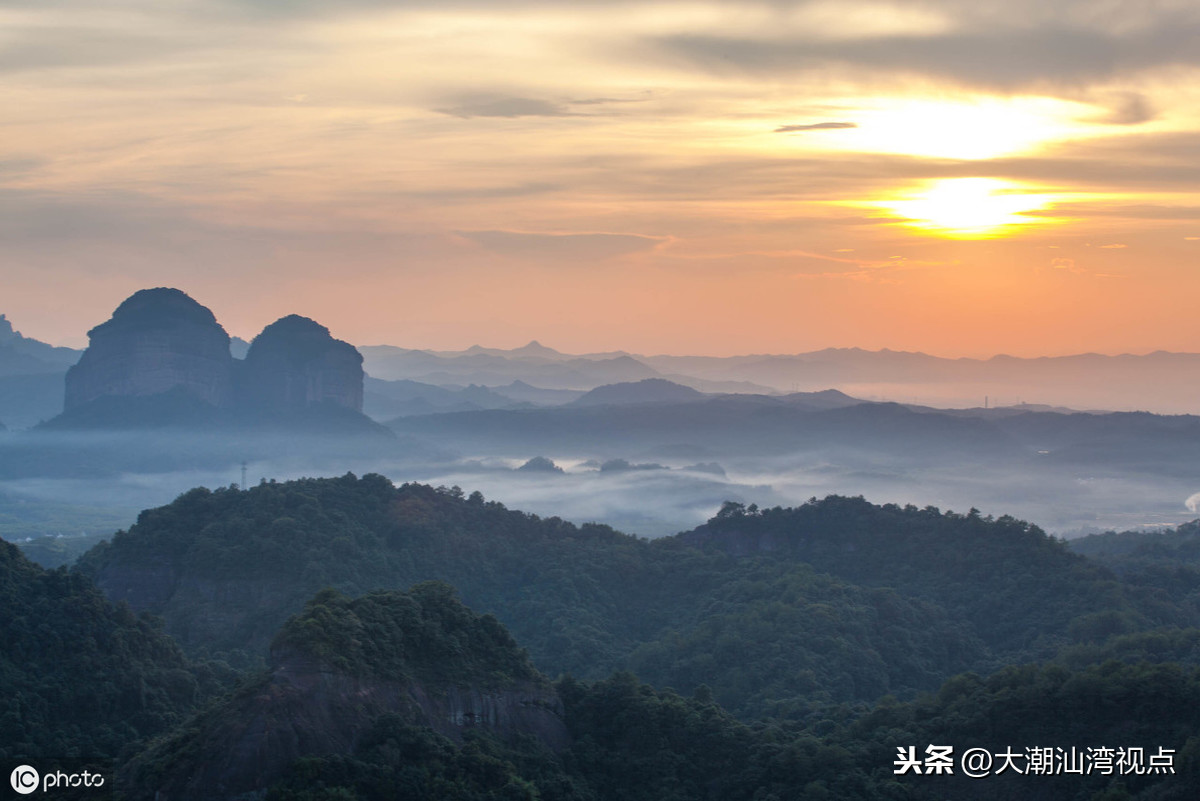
{"points": [[1025, 584], [413, 695], [837, 600], [1165, 564], [417, 661], [80, 675]]}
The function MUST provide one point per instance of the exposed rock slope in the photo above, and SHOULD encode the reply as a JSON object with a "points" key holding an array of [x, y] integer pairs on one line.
{"points": [[295, 364], [156, 341]]}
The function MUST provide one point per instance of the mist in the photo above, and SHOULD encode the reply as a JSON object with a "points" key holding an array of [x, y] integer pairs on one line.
{"points": [[646, 499]]}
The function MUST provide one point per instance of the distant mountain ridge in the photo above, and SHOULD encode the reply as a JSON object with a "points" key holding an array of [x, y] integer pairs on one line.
{"points": [[730, 424], [648, 390], [1079, 381], [21, 355], [31, 377], [1082, 381]]}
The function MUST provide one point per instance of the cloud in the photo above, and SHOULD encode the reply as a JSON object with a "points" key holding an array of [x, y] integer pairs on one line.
{"points": [[506, 107], [1145, 211], [483, 192], [1056, 54], [1129, 108], [816, 126], [512, 106], [179, 237], [1067, 265], [20, 167], [563, 246], [43, 47], [1133, 161], [1114, 246], [40, 217], [606, 101]]}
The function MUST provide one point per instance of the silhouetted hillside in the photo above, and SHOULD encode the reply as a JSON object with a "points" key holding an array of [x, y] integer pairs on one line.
{"points": [[756, 425], [388, 399], [648, 390]]}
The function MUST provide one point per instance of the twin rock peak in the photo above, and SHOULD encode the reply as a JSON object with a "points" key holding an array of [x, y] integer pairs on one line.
{"points": [[162, 341]]}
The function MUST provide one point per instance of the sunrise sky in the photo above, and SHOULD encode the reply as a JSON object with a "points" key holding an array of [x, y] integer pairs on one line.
{"points": [[962, 178]]}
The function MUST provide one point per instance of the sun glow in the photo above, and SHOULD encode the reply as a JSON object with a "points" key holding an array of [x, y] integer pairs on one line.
{"points": [[968, 208], [966, 129]]}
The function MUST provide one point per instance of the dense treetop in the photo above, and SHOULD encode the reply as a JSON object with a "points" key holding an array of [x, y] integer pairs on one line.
{"points": [[425, 634]]}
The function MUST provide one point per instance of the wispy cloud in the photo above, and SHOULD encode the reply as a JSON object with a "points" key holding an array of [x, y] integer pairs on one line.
{"points": [[816, 126], [1059, 56], [508, 107]]}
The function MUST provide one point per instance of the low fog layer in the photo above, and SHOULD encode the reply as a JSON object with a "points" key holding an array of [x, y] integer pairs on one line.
{"points": [[630, 491]]}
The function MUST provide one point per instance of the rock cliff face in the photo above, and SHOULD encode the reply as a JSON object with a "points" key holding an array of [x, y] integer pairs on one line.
{"points": [[304, 709], [295, 364], [156, 341]]}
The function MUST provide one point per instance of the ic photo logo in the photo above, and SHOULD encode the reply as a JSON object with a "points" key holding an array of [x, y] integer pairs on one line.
{"points": [[65, 775], [24, 779]]}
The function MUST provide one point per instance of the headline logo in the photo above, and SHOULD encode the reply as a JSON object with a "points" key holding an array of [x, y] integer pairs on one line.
{"points": [[25, 779]]}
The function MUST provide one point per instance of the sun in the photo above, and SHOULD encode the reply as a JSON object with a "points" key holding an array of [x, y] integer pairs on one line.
{"points": [[968, 208]]}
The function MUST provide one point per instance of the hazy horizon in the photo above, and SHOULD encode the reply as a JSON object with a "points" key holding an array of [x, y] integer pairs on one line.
{"points": [[80, 341]]}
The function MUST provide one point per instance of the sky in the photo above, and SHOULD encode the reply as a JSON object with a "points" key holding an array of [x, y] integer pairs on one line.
{"points": [[960, 178]]}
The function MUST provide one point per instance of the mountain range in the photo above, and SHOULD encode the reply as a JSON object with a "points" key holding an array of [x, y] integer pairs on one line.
{"points": [[837, 633], [31, 372]]}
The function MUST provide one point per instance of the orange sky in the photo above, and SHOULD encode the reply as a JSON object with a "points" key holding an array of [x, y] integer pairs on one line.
{"points": [[680, 177]]}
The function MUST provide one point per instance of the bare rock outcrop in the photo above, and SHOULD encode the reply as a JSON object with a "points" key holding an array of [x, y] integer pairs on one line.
{"points": [[295, 364], [157, 341], [307, 710]]}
